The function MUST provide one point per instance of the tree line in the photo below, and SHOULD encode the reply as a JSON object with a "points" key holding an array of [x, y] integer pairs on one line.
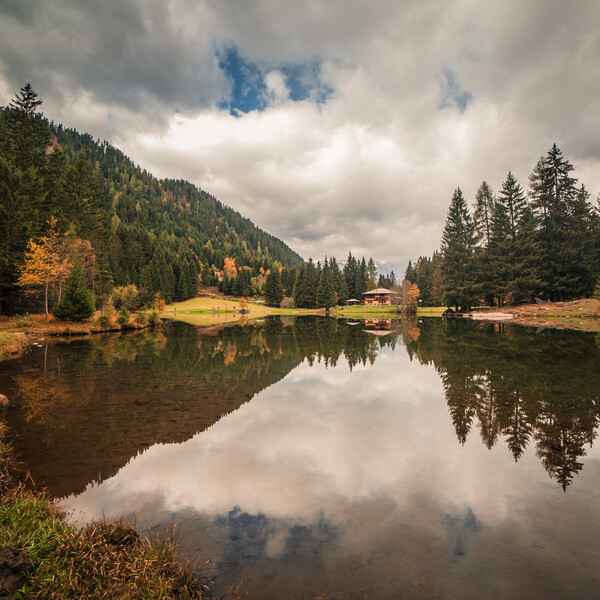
{"points": [[324, 284], [157, 235], [516, 246]]}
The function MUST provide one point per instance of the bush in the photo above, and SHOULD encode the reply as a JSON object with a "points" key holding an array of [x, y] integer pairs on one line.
{"points": [[78, 302], [597, 291], [123, 317], [153, 317], [287, 303], [141, 318], [23, 320], [125, 297], [103, 320]]}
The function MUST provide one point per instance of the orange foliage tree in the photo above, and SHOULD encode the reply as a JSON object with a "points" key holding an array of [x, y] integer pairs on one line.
{"points": [[49, 261], [413, 294], [229, 267], [46, 262]]}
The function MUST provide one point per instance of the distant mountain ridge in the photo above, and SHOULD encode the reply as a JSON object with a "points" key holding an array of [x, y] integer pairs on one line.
{"points": [[71, 203], [154, 224]]}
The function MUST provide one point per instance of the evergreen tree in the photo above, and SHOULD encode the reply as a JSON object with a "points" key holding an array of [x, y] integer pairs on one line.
{"points": [[513, 199], [307, 295], [24, 132], [78, 302], [500, 255], [458, 267], [482, 216], [350, 275], [526, 282], [298, 284], [326, 296], [410, 274], [79, 196], [371, 275], [361, 278], [273, 289], [339, 282], [552, 191]]}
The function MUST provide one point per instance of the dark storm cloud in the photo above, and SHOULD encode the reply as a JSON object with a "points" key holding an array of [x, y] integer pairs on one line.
{"points": [[137, 56]]}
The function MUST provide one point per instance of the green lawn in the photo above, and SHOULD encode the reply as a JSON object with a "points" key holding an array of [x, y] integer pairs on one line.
{"points": [[210, 311]]}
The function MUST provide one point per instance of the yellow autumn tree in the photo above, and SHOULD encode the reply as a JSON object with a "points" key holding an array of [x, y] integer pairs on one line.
{"points": [[229, 267], [46, 262], [413, 295]]}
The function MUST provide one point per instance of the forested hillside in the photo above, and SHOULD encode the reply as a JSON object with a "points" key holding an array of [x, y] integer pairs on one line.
{"points": [[516, 246], [158, 235]]}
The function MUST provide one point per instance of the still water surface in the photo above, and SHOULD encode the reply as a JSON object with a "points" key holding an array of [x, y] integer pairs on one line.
{"points": [[327, 459]]}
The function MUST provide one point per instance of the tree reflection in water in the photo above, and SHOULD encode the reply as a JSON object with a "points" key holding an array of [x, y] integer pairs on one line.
{"points": [[107, 399], [522, 385]]}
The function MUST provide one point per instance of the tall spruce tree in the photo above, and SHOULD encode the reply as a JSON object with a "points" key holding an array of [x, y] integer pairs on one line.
{"points": [[326, 296], [339, 282], [350, 274], [371, 274], [500, 255], [458, 267], [307, 294], [273, 289], [482, 215], [24, 132], [552, 190], [513, 199]]}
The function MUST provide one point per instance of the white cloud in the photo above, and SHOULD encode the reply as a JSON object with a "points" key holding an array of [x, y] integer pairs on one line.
{"points": [[425, 97]]}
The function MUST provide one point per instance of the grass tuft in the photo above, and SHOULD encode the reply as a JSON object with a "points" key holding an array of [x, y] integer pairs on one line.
{"points": [[105, 560]]}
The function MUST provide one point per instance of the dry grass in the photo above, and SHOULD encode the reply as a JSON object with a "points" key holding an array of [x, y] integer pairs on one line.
{"points": [[105, 560], [38, 325], [17, 332], [12, 344], [583, 314]]}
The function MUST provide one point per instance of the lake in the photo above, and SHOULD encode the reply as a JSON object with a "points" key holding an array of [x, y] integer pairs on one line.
{"points": [[320, 458]]}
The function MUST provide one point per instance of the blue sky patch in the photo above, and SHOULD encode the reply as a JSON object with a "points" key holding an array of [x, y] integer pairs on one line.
{"points": [[249, 90], [453, 95]]}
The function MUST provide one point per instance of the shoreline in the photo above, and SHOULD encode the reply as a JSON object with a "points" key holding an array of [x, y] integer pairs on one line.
{"points": [[44, 557], [209, 311], [15, 338], [579, 315]]}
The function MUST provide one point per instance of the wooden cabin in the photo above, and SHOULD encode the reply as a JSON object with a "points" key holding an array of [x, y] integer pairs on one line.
{"points": [[378, 297]]}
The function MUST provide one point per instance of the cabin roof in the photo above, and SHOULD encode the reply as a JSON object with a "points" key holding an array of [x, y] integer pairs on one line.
{"points": [[377, 291]]}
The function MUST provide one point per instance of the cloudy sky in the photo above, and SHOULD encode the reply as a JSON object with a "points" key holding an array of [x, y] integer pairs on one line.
{"points": [[335, 125]]}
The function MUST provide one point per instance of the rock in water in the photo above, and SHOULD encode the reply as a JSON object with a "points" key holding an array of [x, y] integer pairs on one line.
{"points": [[4, 403]]}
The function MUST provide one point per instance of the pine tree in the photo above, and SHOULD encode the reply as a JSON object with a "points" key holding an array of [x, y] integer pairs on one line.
{"points": [[552, 191], [482, 216], [458, 267], [79, 196], [307, 295], [326, 296], [298, 284], [361, 278], [273, 289], [24, 132], [350, 275], [513, 199], [78, 301], [526, 282], [339, 282], [500, 254], [410, 274], [371, 275]]}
